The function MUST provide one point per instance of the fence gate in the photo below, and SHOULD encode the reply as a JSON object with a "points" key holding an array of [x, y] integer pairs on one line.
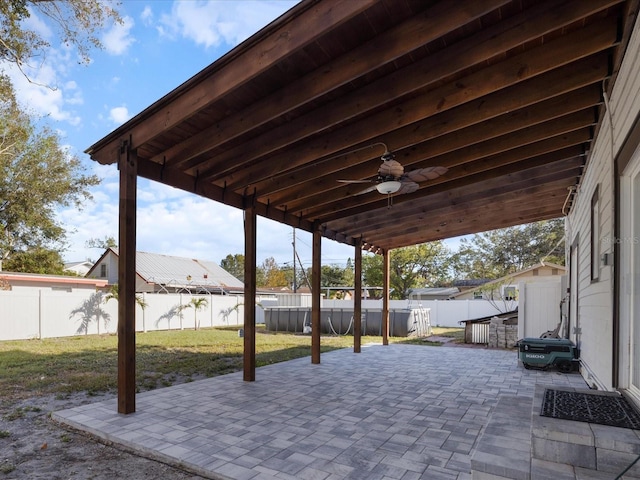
{"points": [[480, 333]]}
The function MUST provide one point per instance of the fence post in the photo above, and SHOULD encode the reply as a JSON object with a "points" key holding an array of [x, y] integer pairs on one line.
{"points": [[40, 314]]}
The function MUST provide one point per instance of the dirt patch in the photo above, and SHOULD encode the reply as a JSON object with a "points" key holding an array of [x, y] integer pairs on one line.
{"points": [[33, 446]]}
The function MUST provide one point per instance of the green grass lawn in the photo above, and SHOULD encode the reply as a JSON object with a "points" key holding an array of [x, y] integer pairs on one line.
{"points": [[89, 363]]}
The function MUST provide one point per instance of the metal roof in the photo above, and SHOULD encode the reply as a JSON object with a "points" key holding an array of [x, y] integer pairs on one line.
{"points": [[180, 271]]}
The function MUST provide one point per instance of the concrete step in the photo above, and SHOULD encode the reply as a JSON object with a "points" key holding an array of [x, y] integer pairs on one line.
{"points": [[586, 446], [520, 444]]}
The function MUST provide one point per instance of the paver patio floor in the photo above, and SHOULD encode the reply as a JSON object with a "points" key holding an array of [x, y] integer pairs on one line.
{"points": [[391, 412]]}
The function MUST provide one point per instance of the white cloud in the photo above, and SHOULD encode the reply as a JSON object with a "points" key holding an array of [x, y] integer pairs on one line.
{"points": [[119, 115], [34, 22], [147, 16], [211, 23], [118, 39], [44, 101], [174, 222]]}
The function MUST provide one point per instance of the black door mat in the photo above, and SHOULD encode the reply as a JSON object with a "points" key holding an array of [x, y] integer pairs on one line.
{"points": [[613, 410]]}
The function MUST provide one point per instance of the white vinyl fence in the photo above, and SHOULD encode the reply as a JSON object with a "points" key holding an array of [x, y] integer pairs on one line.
{"points": [[27, 313], [45, 313]]}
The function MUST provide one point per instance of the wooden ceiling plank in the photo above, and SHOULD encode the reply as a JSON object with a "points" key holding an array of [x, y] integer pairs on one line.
{"points": [[458, 190], [368, 201], [552, 186], [505, 182], [534, 22], [469, 159], [515, 210], [487, 138], [554, 84], [436, 216], [522, 67], [471, 228], [236, 68], [384, 48]]}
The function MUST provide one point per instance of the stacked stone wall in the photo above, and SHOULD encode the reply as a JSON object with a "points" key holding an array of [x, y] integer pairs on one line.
{"points": [[501, 335]]}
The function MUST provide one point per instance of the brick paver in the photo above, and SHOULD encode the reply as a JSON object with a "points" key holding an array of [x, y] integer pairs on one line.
{"points": [[390, 412]]}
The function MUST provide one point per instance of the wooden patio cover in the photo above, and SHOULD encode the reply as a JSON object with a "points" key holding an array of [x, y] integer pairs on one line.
{"points": [[507, 95]]}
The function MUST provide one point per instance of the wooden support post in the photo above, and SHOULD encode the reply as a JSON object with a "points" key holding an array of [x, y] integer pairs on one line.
{"points": [[128, 165], [385, 297], [250, 235], [315, 296], [357, 298]]}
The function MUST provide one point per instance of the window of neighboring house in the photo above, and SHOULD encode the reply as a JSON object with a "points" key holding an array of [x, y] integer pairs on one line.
{"points": [[477, 295], [595, 236], [103, 271], [509, 293]]}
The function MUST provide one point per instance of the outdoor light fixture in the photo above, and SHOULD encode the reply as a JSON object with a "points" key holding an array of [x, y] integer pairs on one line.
{"points": [[388, 187]]}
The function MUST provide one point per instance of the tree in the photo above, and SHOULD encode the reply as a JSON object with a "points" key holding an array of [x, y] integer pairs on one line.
{"points": [[409, 267], [74, 22], [36, 260], [36, 177], [101, 243], [197, 303], [272, 275], [234, 264], [501, 252]]}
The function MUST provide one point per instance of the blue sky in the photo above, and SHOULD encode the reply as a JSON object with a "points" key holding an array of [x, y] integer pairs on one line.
{"points": [[160, 45]]}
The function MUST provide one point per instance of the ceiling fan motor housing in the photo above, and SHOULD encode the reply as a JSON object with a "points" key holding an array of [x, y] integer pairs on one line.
{"points": [[390, 169]]}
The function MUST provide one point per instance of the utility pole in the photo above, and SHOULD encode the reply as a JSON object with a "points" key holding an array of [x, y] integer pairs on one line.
{"points": [[295, 288]]}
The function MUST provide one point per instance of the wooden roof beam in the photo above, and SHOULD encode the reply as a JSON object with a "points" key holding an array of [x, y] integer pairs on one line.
{"points": [[531, 165], [386, 47], [497, 185], [584, 43], [449, 213], [270, 46], [562, 146], [467, 229], [178, 179], [448, 150], [418, 31]]}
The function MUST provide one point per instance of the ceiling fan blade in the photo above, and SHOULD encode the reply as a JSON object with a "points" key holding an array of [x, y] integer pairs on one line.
{"points": [[407, 187], [422, 174], [372, 188], [355, 181]]}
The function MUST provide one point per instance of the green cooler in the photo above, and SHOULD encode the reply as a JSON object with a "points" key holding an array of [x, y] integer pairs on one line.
{"points": [[545, 352]]}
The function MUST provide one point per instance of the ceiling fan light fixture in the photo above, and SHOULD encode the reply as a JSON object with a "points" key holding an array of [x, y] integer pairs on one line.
{"points": [[388, 187]]}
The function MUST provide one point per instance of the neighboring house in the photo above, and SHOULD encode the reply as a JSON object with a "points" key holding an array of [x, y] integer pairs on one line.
{"points": [[169, 274], [432, 293], [507, 286], [469, 283], [79, 268], [21, 281]]}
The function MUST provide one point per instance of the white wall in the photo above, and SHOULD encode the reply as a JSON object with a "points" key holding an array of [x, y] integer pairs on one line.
{"points": [[539, 307]]}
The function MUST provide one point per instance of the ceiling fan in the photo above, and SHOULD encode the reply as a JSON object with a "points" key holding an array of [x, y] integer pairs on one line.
{"points": [[392, 178]]}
